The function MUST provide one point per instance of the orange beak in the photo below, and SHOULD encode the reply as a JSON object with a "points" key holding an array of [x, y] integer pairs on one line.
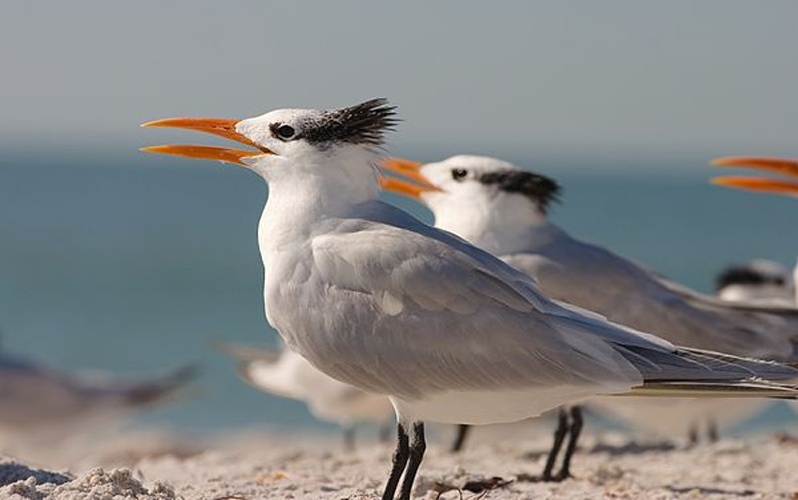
{"points": [[409, 169], [222, 127], [760, 184]]}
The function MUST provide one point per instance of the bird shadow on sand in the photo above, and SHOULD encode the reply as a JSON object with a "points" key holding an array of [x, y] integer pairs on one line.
{"points": [[632, 448], [480, 486], [702, 491]]}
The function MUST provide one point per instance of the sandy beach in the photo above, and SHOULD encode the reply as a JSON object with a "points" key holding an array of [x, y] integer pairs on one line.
{"points": [[266, 465]]}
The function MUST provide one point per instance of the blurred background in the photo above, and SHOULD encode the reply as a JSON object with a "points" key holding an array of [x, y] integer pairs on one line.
{"points": [[115, 260]]}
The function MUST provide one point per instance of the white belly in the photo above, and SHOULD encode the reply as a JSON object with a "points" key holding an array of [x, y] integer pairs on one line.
{"points": [[494, 407]]}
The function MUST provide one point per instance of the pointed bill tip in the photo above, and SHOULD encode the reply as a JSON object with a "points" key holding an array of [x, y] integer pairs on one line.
{"points": [[154, 149], [786, 166], [227, 155], [728, 161], [203, 123], [401, 165], [410, 170], [758, 184], [409, 189]]}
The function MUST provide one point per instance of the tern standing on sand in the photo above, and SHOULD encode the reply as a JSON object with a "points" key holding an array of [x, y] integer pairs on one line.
{"points": [[504, 209], [373, 297]]}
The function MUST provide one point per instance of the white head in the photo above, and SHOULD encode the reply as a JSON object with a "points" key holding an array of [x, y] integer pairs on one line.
{"points": [[756, 281], [333, 147], [476, 195]]}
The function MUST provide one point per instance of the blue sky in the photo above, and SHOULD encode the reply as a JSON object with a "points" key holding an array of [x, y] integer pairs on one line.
{"points": [[581, 78]]}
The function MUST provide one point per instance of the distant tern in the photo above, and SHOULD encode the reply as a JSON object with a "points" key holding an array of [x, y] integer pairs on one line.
{"points": [[286, 373], [760, 281], [375, 298], [35, 398], [782, 166], [504, 210]]}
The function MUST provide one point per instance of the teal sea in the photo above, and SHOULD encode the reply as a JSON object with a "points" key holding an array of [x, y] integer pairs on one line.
{"points": [[138, 264]]}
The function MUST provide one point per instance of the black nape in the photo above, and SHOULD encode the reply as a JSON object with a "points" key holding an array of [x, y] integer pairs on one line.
{"points": [[539, 189]]}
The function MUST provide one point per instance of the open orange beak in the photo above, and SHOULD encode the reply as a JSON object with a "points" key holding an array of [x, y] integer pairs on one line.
{"points": [[761, 184], [222, 127], [409, 169]]}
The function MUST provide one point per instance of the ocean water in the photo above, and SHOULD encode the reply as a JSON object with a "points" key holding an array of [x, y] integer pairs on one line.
{"points": [[139, 263]]}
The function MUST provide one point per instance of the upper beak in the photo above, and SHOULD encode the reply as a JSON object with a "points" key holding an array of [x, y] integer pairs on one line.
{"points": [[222, 127], [783, 166], [409, 169]]}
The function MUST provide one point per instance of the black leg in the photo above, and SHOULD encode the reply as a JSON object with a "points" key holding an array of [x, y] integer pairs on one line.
{"points": [[712, 431], [462, 432], [575, 430], [400, 455], [692, 434], [416, 455], [559, 436], [349, 437]]}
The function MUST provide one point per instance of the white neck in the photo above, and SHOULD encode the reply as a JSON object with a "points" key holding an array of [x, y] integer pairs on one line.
{"points": [[305, 191], [302, 196], [502, 225]]}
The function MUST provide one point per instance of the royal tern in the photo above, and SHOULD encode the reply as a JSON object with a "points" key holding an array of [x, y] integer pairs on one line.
{"points": [[503, 209], [287, 374], [783, 166], [36, 399], [760, 280], [375, 298]]}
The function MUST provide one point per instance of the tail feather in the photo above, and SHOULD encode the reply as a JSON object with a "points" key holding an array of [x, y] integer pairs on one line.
{"points": [[753, 388], [162, 388], [696, 365]]}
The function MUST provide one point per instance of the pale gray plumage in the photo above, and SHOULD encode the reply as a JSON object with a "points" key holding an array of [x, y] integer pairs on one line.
{"points": [[597, 279], [373, 297], [422, 352]]}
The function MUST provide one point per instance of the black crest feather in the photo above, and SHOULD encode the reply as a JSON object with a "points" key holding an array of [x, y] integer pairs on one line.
{"points": [[540, 189], [745, 275], [364, 123]]}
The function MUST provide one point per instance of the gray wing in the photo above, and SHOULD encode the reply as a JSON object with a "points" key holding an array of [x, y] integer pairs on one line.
{"points": [[625, 292], [442, 315]]}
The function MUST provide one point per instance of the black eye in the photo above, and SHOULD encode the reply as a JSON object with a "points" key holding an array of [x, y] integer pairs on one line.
{"points": [[459, 174], [283, 132]]}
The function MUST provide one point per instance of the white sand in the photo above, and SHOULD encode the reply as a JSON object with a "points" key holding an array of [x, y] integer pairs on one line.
{"points": [[264, 466]]}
